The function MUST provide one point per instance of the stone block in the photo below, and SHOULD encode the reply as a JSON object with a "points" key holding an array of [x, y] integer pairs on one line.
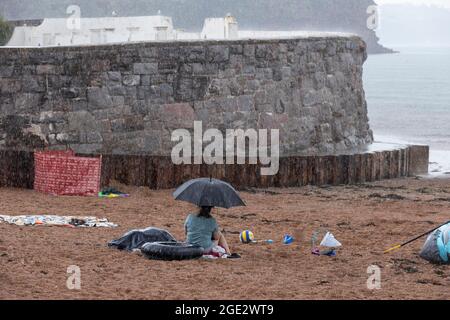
{"points": [[114, 76], [145, 68], [218, 54], [131, 80], [46, 69], [99, 98]]}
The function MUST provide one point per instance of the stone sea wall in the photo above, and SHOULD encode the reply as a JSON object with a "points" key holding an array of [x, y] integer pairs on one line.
{"points": [[127, 99]]}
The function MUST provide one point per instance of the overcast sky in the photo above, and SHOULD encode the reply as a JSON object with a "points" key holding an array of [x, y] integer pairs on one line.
{"points": [[414, 25], [442, 3]]}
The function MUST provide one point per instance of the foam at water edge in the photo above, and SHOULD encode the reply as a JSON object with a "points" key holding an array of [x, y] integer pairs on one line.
{"points": [[439, 159], [439, 163]]}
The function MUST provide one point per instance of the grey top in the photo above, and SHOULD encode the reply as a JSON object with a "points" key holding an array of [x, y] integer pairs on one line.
{"points": [[200, 230]]}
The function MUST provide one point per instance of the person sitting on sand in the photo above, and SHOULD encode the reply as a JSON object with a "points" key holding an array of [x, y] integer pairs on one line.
{"points": [[201, 229]]}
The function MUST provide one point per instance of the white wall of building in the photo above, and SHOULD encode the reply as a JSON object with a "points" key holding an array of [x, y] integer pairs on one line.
{"points": [[220, 28], [55, 32], [94, 31]]}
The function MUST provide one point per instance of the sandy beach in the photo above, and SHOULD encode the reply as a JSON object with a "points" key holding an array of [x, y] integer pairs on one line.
{"points": [[367, 219]]}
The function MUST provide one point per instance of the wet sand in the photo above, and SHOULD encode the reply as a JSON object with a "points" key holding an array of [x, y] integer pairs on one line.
{"points": [[367, 219]]}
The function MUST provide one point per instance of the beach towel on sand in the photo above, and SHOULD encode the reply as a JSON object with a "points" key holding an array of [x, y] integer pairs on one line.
{"points": [[53, 220], [112, 193]]}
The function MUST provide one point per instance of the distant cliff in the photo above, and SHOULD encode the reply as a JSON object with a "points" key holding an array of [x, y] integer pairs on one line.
{"points": [[325, 15]]}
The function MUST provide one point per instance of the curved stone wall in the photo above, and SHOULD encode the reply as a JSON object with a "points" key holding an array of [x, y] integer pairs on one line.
{"points": [[127, 99]]}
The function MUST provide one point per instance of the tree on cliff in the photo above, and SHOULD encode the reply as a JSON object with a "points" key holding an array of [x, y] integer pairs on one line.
{"points": [[5, 31]]}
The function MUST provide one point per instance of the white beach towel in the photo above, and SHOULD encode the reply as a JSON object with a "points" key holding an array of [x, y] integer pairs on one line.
{"points": [[53, 220]]}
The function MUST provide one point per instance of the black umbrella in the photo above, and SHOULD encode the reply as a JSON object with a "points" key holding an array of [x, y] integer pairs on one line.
{"points": [[208, 192]]}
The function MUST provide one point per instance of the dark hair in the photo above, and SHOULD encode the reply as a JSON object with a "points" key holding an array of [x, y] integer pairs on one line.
{"points": [[205, 212]]}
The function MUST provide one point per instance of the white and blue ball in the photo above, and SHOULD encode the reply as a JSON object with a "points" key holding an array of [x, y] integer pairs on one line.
{"points": [[246, 236]]}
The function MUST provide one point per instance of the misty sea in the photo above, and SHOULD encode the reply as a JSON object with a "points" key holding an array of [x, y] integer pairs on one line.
{"points": [[408, 96]]}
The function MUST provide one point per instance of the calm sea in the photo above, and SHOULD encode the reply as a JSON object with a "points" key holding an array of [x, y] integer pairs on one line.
{"points": [[408, 96]]}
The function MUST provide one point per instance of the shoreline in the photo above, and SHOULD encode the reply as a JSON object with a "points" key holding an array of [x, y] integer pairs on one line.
{"points": [[439, 160]]}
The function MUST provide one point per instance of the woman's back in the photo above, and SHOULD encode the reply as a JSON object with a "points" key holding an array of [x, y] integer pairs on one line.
{"points": [[200, 230]]}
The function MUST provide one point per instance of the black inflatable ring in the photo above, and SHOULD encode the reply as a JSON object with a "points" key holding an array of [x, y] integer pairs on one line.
{"points": [[171, 251]]}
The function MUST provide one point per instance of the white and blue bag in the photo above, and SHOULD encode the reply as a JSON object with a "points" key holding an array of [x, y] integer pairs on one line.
{"points": [[437, 246]]}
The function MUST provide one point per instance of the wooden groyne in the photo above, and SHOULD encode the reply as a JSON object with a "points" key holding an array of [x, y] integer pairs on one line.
{"points": [[158, 172]]}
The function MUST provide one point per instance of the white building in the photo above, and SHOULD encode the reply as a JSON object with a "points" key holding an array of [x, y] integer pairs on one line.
{"points": [[59, 32], [93, 31], [220, 28]]}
